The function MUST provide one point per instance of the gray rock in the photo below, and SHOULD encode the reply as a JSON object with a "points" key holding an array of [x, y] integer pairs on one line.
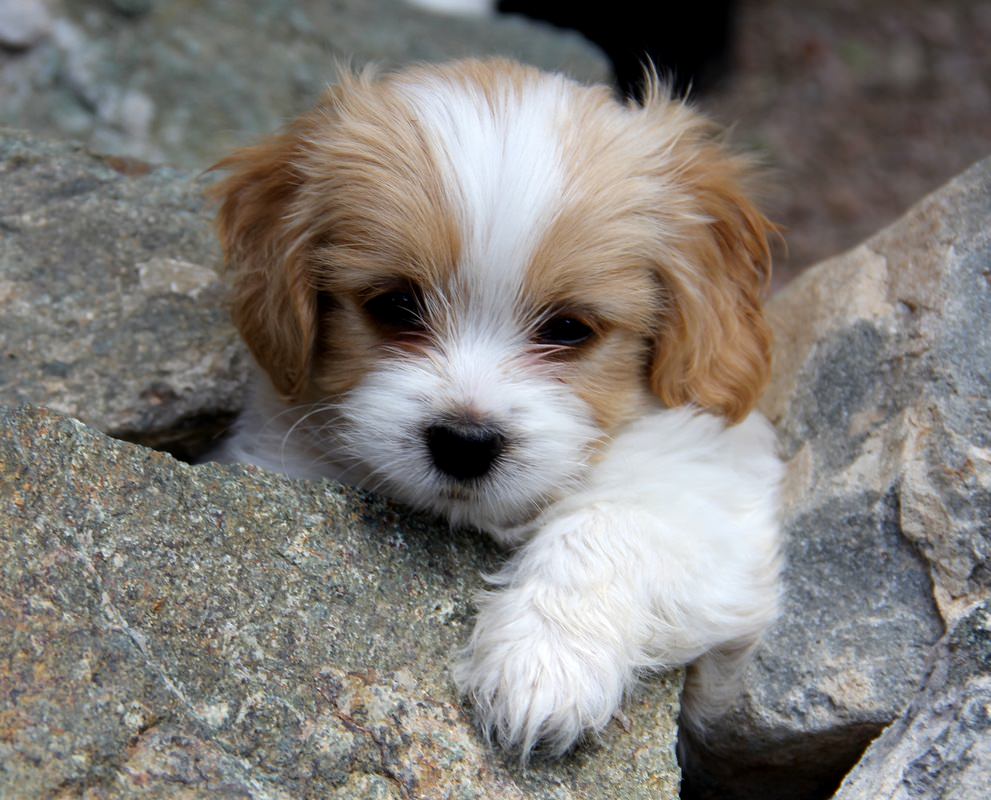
{"points": [[184, 83], [23, 23], [882, 396], [908, 404], [941, 746], [222, 632], [110, 307]]}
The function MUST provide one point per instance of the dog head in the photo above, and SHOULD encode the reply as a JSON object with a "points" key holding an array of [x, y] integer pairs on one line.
{"points": [[475, 273]]}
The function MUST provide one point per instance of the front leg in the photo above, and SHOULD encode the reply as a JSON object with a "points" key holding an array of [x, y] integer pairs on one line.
{"points": [[556, 646], [669, 553], [605, 591]]}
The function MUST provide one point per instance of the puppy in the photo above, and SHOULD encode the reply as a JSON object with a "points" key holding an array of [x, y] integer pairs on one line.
{"points": [[502, 296]]}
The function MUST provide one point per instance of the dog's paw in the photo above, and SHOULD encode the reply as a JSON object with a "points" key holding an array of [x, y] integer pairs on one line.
{"points": [[536, 683]]}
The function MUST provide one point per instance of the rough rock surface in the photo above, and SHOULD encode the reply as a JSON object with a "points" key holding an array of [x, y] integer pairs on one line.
{"points": [[882, 396], [941, 746], [183, 82], [110, 306], [219, 631]]}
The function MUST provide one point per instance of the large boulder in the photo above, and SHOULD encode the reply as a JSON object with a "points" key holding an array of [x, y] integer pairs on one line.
{"points": [[222, 632], [941, 746], [184, 82], [881, 395], [111, 310]]}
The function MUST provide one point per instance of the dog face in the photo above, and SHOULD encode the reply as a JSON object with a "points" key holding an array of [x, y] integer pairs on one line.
{"points": [[474, 274]]}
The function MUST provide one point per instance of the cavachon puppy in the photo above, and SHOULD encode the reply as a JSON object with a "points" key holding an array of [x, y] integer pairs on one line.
{"points": [[513, 300]]}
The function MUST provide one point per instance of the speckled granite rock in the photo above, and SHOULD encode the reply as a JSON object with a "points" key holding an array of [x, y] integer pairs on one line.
{"points": [[183, 82], [940, 748], [882, 396], [110, 306], [221, 632]]}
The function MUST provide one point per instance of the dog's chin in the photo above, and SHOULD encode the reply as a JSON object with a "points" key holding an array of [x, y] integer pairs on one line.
{"points": [[486, 504]]}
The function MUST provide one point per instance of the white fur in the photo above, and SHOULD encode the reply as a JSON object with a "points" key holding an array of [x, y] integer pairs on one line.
{"points": [[383, 422], [667, 553], [502, 166], [645, 552]]}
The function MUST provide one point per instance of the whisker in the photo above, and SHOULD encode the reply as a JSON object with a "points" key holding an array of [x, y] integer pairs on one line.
{"points": [[311, 409]]}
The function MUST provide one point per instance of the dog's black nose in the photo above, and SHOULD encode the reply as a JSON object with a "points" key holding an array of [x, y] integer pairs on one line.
{"points": [[464, 450]]}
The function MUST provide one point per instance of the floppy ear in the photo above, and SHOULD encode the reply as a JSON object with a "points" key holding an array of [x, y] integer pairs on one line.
{"points": [[715, 346], [265, 248]]}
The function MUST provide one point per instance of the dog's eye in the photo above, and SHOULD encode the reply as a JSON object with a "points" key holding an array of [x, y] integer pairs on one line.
{"points": [[397, 310], [564, 331]]}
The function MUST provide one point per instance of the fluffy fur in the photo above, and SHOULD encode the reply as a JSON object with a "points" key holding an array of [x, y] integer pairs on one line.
{"points": [[500, 210]]}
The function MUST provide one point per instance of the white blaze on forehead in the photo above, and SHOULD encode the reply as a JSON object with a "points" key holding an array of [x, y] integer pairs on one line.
{"points": [[500, 154]]}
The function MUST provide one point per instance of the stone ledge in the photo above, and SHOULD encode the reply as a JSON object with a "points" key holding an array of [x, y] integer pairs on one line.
{"points": [[237, 632]]}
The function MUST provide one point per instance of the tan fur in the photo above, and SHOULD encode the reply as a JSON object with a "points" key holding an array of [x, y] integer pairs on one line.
{"points": [[715, 349], [273, 303], [347, 197], [653, 191], [655, 237]]}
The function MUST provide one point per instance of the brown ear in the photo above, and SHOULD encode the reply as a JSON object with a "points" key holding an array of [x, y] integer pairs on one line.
{"points": [[715, 347], [265, 252]]}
